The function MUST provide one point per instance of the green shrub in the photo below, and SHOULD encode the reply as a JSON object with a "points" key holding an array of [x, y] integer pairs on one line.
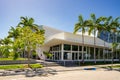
{"points": [[36, 65]]}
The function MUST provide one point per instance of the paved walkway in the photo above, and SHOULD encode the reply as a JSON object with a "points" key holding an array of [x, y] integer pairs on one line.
{"points": [[72, 73]]}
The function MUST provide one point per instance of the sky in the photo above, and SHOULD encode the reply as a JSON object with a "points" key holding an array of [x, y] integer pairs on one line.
{"points": [[59, 14]]}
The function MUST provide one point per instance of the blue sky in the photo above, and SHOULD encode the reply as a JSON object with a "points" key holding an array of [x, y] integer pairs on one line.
{"points": [[60, 14]]}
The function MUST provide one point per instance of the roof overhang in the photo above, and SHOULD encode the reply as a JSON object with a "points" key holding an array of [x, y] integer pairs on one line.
{"points": [[69, 38]]}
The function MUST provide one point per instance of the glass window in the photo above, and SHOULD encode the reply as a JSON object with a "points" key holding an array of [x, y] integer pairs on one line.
{"points": [[74, 48], [84, 48], [91, 53], [56, 48], [101, 53], [67, 47], [80, 48], [65, 55]]}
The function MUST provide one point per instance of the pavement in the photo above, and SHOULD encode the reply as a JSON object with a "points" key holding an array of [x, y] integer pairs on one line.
{"points": [[72, 73]]}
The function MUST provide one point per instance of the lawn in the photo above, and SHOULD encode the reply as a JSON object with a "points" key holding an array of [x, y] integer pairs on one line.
{"points": [[116, 66], [19, 66]]}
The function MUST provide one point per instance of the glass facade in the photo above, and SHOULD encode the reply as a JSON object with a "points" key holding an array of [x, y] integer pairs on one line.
{"points": [[109, 37], [74, 52]]}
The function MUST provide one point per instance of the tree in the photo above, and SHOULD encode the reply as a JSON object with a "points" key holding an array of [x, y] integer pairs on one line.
{"points": [[114, 29], [5, 47], [114, 47], [80, 26], [14, 33], [31, 40], [25, 21], [106, 29], [95, 24]]}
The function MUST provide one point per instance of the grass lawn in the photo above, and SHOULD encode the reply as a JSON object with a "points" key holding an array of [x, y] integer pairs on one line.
{"points": [[7, 59], [19, 66], [117, 66]]}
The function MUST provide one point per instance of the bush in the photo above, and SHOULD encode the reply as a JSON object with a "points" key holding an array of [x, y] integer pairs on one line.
{"points": [[36, 65]]}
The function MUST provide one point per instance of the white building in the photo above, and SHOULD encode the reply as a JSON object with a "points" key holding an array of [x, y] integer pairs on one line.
{"points": [[66, 46]]}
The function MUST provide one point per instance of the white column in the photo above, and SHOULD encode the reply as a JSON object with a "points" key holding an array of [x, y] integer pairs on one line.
{"points": [[62, 50]]}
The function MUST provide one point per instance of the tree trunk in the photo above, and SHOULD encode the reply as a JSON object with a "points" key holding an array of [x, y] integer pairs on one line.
{"points": [[82, 47], [29, 52], [94, 48], [104, 51]]}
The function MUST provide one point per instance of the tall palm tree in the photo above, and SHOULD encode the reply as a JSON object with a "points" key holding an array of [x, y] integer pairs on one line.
{"points": [[14, 33], [114, 29], [95, 25], [106, 29], [28, 22], [114, 47], [118, 41], [80, 25]]}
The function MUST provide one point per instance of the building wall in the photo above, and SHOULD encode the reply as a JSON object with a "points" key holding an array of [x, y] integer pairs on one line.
{"points": [[55, 37]]}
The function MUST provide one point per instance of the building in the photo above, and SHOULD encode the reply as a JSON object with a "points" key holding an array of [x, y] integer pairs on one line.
{"points": [[66, 46]]}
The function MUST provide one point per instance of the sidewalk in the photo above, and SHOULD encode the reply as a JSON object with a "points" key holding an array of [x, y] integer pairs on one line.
{"points": [[63, 68]]}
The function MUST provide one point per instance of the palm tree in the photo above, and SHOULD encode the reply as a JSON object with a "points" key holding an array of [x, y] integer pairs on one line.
{"points": [[6, 41], [14, 33], [25, 21], [6, 47], [95, 25], [114, 46], [114, 29], [106, 29], [1, 42], [80, 26]]}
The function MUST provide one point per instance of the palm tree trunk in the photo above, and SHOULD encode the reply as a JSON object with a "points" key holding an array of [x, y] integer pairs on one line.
{"points": [[113, 50], [82, 47], [94, 48], [104, 50]]}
